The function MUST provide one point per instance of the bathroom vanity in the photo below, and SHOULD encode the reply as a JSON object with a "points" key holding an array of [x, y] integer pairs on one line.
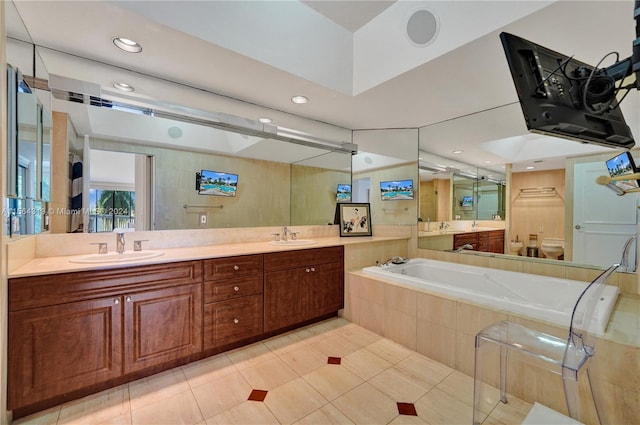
{"points": [[74, 333]]}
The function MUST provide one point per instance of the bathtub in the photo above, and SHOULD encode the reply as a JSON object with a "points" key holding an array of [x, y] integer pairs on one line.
{"points": [[547, 298]]}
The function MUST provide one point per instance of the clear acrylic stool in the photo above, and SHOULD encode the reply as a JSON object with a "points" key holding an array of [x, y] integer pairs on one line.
{"points": [[563, 356]]}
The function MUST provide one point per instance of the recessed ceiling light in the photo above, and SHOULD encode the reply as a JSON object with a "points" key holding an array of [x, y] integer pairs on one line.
{"points": [[124, 87], [174, 132], [265, 120], [487, 162], [127, 45], [299, 99], [530, 167], [458, 151]]}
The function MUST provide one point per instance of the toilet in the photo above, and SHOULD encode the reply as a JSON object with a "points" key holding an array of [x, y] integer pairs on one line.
{"points": [[552, 247]]}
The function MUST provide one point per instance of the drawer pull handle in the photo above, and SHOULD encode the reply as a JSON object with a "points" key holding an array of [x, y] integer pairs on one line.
{"points": [[236, 288], [236, 321], [236, 267], [128, 299], [116, 301]]}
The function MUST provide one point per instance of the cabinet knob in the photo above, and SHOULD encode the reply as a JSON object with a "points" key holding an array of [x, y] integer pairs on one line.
{"points": [[236, 321], [128, 299], [116, 301], [236, 267], [236, 288], [313, 269], [307, 270]]}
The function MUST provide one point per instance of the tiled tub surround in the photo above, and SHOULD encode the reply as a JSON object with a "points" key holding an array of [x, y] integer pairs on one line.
{"points": [[443, 328]]}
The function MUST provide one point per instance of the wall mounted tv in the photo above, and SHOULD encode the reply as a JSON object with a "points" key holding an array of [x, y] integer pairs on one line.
{"points": [[217, 183], [556, 100], [343, 193], [467, 202], [396, 190]]}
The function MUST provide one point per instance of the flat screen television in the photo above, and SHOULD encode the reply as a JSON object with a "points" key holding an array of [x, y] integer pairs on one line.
{"points": [[396, 190], [620, 165], [550, 88], [217, 183], [467, 201], [343, 194]]}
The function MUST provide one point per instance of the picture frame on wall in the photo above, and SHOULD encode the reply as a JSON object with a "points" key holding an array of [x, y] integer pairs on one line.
{"points": [[355, 219]]}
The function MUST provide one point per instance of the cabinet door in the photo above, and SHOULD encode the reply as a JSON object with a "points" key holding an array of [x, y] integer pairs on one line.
{"points": [[465, 238], [162, 325], [58, 349], [326, 289], [286, 298], [232, 321]]}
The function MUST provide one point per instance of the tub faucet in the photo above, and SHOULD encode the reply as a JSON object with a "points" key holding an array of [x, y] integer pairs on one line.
{"points": [[463, 247], [120, 243]]}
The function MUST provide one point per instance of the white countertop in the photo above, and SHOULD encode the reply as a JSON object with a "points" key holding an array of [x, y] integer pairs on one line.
{"points": [[61, 264]]}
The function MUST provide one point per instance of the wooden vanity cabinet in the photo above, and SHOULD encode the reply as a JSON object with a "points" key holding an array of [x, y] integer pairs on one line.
{"points": [[73, 331], [302, 285], [232, 300], [484, 241]]}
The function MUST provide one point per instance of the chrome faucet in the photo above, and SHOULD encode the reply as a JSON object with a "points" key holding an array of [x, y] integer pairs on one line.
{"points": [[463, 247], [120, 243], [285, 232], [474, 224]]}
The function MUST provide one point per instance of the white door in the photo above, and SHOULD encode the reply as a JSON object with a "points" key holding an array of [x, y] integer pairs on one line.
{"points": [[602, 220]]}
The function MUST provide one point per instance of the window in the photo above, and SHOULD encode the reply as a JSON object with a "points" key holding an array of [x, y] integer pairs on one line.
{"points": [[111, 209]]}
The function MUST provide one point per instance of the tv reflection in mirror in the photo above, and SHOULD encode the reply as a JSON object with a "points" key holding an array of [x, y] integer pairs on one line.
{"points": [[217, 183], [396, 190], [467, 201], [343, 193]]}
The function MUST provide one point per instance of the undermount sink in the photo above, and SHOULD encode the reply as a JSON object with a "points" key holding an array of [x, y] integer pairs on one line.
{"points": [[293, 242], [114, 257]]}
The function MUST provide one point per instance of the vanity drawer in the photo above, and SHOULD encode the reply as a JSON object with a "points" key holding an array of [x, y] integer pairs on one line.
{"points": [[234, 288], [232, 321], [287, 260], [230, 267]]}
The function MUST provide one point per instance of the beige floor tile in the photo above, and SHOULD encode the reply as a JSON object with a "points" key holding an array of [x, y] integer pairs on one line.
{"points": [[125, 419], [156, 387], [178, 409], [365, 364], [438, 407], [358, 335], [408, 420], [293, 401], [268, 374], [44, 417], [335, 345], [326, 415], [332, 380], [460, 386], [222, 394], [250, 355], [304, 359], [367, 405], [208, 369], [389, 350], [423, 369], [247, 413], [96, 408], [399, 386], [513, 412], [284, 343]]}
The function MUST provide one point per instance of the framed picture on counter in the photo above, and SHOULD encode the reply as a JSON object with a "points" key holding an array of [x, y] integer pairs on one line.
{"points": [[355, 219]]}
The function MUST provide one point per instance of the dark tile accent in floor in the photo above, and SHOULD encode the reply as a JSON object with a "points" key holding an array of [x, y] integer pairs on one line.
{"points": [[334, 360], [257, 395], [407, 409]]}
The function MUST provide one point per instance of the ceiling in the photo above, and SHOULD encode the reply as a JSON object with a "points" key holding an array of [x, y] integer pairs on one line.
{"points": [[354, 60]]}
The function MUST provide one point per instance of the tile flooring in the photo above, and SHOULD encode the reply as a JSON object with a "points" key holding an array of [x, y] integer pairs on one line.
{"points": [[332, 372]]}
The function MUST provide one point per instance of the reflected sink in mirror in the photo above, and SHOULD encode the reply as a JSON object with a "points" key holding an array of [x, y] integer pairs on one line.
{"points": [[114, 257], [294, 242]]}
